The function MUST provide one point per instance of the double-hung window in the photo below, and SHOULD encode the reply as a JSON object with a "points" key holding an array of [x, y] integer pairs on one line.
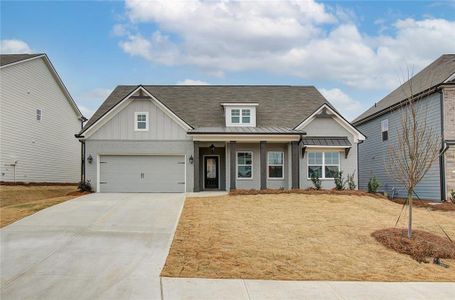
{"points": [[141, 122], [275, 162], [241, 116], [324, 165], [385, 129], [244, 165]]}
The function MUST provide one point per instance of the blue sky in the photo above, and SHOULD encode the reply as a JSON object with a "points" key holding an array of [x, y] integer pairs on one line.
{"points": [[354, 52]]}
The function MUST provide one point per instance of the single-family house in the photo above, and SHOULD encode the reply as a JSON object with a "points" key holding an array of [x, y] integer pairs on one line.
{"points": [[152, 138], [38, 119], [433, 89]]}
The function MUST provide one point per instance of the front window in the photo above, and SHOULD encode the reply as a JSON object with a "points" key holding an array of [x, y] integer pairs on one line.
{"points": [[324, 165], [385, 129], [241, 116], [235, 116], [246, 116], [245, 165], [275, 161], [141, 121]]}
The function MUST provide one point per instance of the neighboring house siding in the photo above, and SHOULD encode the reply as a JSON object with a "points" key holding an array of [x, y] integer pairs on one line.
{"points": [[449, 113], [328, 127], [46, 150], [373, 152], [121, 126], [138, 147]]}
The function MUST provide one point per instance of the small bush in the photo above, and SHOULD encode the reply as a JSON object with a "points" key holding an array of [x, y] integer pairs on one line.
{"points": [[340, 183], [452, 196], [373, 185], [316, 181], [84, 186], [351, 181]]}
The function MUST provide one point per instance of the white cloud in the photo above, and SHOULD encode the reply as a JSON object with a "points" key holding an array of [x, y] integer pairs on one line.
{"points": [[192, 82], [286, 37], [92, 99], [14, 47], [347, 106]]}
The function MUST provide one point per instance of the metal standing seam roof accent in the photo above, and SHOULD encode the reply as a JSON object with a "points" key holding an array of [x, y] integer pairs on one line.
{"points": [[341, 141], [200, 106], [245, 130]]}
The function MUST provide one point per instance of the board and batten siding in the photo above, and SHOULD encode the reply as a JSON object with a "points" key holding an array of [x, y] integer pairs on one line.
{"points": [[373, 151], [118, 137], [328, 127], [121, 126], [46, 150]]}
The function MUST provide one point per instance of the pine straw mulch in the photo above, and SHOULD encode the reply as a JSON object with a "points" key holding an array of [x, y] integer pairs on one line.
{"points": [[309, 191], [298, 237], [422, 246], [444, 206]]}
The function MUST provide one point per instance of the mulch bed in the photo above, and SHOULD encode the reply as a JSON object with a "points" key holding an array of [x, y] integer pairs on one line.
{"points": [[309, 191], [444, 206], [9, 183], [421, 246]]}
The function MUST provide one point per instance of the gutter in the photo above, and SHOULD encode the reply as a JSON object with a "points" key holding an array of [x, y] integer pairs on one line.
{"points": [[247, 133]]}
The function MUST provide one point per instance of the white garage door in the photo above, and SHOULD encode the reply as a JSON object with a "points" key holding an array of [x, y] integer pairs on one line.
{"points": [[142, 174]]}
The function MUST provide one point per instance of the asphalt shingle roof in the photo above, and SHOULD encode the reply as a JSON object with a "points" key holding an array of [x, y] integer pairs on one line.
{"points": [[245, 130], [6, 59], [433, 75], [200, 106]]}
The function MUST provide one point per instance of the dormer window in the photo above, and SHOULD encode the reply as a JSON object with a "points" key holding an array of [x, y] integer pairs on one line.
{"points": [[240, 114]]}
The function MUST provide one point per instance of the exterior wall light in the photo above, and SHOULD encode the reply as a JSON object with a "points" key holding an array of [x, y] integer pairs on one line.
{"points": [[90, 159], [212, 148], [191, 159]]}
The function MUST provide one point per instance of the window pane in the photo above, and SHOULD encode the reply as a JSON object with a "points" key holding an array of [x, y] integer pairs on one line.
{"points": [[275, 171], [275, 158], [141, 125], [331, 171], [244, 158], [235, 120], [246, 120], [244, 172], [141, 117], [245, 112], [314, 170], [331, 158], [315, 158], [235, 112]]}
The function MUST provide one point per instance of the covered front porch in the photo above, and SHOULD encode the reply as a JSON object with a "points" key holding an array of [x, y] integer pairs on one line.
{"points": [[232, 162]]}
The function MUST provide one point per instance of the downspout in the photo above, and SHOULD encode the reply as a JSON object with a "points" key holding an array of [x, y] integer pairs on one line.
{"points": [[441, 156], [358, 164], [82, 119]]}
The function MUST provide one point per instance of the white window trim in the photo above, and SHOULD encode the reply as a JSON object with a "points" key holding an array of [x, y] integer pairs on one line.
{"points": [[237, 165], [323, 165], [147, 121], [386, 122], [241, 110], [275, 165]]}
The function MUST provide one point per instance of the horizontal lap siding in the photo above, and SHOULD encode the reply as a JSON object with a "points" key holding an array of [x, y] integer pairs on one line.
{"points": [[373, 152], [46, 150]]}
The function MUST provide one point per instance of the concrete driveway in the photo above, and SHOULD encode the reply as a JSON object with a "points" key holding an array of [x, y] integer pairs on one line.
{"points": [[99, 246]]}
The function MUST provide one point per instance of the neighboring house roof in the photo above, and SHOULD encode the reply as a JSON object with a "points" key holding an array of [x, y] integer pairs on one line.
{"points": [[245, 130], [438, 72], [12, 59], [6, 59], [201, 106], [331, 141]]}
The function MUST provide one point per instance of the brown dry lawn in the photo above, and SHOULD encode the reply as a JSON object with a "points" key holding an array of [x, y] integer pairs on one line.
{"points": [[19, 201], [298, 237]]}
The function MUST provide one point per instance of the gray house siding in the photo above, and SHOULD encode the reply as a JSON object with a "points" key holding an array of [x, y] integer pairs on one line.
{"points": [[328, 127], [373, 151], [45, 150]]}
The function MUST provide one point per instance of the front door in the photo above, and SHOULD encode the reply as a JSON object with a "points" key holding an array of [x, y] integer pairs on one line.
{"points": [[211, 172]]}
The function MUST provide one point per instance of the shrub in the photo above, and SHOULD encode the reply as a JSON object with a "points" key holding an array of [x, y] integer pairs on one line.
{"points": [[373, 185], [316, 181], [84, 186], [351, 181], [340, 183], [452, 196]]}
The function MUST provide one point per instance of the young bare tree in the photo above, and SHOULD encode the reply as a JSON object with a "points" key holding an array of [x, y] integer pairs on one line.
{"points": [[416, 148]]}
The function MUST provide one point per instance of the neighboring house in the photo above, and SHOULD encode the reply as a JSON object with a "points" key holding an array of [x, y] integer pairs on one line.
{"points": [[194, 138], [434, 89], [38, 119]]}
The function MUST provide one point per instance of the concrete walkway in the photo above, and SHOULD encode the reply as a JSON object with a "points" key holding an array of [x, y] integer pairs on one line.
{"points": [[99, 246], [237, 289]]}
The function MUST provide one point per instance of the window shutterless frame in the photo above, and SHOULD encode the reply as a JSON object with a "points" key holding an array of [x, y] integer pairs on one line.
{"points": [[281, 153], [141, 121], [385, 129], [244, 165], [323, 164]]}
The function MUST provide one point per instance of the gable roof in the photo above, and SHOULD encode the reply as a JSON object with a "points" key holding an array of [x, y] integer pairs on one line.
{"points": [[435, 74], [10, 59], [201, 105], [6, 59]]}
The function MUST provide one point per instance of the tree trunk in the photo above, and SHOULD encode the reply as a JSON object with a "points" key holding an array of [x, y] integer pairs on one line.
{"points": [[410, 215]]}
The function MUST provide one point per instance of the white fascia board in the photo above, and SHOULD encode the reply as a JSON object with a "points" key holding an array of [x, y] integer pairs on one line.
{"points": [[339, 119]]}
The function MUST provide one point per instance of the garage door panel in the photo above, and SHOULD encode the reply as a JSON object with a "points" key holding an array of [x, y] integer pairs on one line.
{"points": [[142, 173]]}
